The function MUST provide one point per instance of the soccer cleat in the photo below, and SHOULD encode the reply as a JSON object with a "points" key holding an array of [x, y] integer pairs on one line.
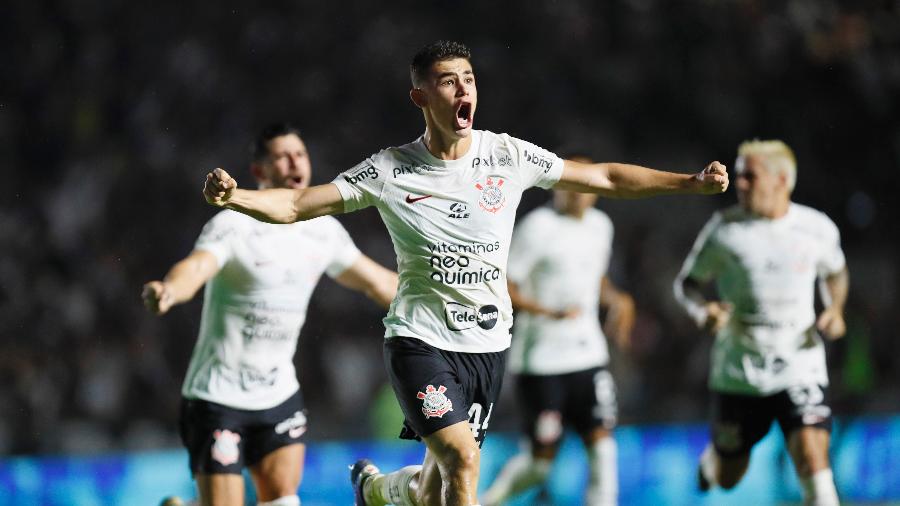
{"points": [[702, 483], [359, 473], [172, 500]]}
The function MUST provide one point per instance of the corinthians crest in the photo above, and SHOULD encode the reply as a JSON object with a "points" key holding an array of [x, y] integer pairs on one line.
{"points": [[492, 198], [435, 402]]}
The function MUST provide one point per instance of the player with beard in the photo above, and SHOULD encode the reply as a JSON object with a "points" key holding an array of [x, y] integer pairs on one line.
{"points": [[242, 405], [448, 200], [765, 256]]}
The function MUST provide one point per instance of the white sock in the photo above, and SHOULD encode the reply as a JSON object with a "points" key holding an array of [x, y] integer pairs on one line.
{"points": [[603, 480], [709, 465], [819, 489], [288, 500], [395, 486], [518, 475]]}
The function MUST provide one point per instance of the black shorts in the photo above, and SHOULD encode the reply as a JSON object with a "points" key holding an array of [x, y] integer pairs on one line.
{"points": [[222, 440], [585, 400], [438, 388], [741, 421]]}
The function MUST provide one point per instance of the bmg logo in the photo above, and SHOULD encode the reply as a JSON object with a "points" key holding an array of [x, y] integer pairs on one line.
{"points": [[369, 172]]}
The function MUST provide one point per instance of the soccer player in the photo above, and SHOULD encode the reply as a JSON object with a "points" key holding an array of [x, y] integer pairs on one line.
{"points": [[448, 200], [557, 282], [242, 404], [768, 360]]}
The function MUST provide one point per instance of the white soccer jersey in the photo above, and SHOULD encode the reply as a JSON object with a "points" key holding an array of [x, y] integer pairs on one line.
{"points": [[254, 306], [450, 222], [559, 261], [767, 269]]}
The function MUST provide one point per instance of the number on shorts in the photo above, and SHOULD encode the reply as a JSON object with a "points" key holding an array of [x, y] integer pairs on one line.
{"points": [[475, 422], [604, 388], [807, 395]]}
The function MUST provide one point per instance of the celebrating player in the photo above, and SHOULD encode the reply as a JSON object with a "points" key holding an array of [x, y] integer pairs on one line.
{"points": [[242, 404], [448, 200], [768, 361], [557, 282]]}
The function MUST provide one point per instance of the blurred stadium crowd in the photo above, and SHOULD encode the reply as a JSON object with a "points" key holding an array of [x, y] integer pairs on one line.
{"points": [[112, 112]]}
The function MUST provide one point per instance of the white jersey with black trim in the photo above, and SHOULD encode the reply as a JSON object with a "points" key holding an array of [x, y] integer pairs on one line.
{"points": [[767, 269], [558, 261], [254, 307], [451, 222]]}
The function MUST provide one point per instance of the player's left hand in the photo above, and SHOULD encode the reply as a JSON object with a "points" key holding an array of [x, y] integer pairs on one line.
{"points": [[831, 324], [713, 179]]}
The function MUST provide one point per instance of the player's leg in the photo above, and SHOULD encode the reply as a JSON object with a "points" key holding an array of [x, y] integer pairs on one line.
{"points": [[277, 476], [218, 489], [806, 420], [593, 409], [739, 422], [540, 399], [457, 458], [275, 454], [213, 435]]}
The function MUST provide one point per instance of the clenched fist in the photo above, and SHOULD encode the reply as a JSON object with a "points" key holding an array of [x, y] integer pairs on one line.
{"points": [[219, 187], [713, 179], [157, 297]]}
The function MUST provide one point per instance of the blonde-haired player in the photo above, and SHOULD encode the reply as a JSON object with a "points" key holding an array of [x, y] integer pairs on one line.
{"points": [[765, 256]]}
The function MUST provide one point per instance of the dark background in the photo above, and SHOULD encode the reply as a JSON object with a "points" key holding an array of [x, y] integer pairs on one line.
{"points": [[111, 112]]}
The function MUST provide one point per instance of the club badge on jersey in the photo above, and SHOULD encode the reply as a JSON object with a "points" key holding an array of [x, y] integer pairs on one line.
{"points": [[435, 403], [492, 198]]}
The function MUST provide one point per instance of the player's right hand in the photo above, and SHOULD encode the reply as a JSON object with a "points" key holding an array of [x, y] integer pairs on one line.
{"points": [[219, 187], [157, 297], [562, 314], [717, 316]]}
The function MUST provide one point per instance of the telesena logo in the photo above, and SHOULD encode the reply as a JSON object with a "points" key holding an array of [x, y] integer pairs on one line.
{"points": [[463, 317], [539, 159], [368, 172]]}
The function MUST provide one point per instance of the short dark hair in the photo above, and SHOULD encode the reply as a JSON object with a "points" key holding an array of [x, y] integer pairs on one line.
{"points": [[259, 150], [434, 52]]}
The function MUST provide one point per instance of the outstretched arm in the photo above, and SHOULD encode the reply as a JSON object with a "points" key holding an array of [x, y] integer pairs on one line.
{"points": [[277, 205], [619, 180], [831, 321], [370, 278], [181, 282]]}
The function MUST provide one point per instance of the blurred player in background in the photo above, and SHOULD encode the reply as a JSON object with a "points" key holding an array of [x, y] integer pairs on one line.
{"points": [[768, 361], [242, 404], [448, 200], [557, 282]]}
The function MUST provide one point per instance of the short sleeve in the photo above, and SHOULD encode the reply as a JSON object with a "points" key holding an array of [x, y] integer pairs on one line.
{"points": [[217, 236], [832, 259], [538, 166], [524, 250], [345, 253], [362, 185], [705, 259]]}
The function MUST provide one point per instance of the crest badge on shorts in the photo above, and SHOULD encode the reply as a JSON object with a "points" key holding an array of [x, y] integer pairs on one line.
{"points": [[435, 403], [225, 447]]}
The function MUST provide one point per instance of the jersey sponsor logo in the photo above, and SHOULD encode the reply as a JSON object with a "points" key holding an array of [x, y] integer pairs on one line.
{"points": [[225, 448], [368, 172], [492, 198], [490, 161], [463, 317], [540, 160], [408, 169], [450, 263], [459, 210], [295, 425], [434, 402], [412, 200]]}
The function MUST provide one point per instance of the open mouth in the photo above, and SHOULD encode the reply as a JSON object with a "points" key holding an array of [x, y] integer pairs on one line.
{"points": [[463, 116], [295, 181]]}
